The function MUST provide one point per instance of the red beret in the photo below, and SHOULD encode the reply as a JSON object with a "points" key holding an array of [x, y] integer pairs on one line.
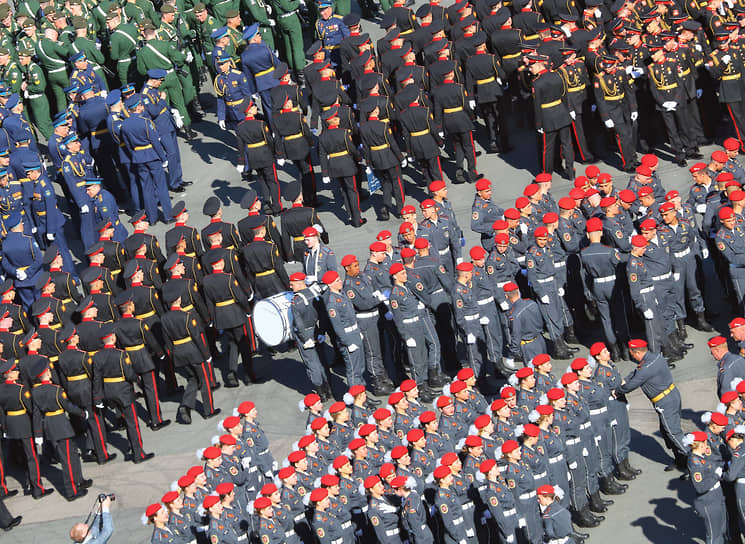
{"points": [[171, 496], [725, 177], [521, 202], [524, 372], [497, 404], [545, 409], [716, 341], [366, 429], [209, 501], [348, 259], [464, 374], [531, 189], [540, 359], [211, 452], [330, 277], [407, 385], [510, 445], [487, 465], [719, 156], [648, 224], [371, 481], [672, 194], [421, 243], [594, 224], [737, 195], [545, 490], [296, 456], [477, 252], [317, 495], [185, 480], [650, 160], [383, 235], [399, 481], [398, 452], [627, 196], [405, 227], [666, 207], [285, 472], [441, 472], [395, 268], [543, 177], [297, 276], [731, 144], [356, 443], [482, 421], [697, 167], [509, 287], [227, 440], [579, 363], [261, 503], [408, 253], [596, 348], [457, 386], [395, 397], [639, 241], [530, 429], [224, 488], [329, 480], [566, 203], [592, 171], [568, 378], [540, 232], [643, 170], [577, 193], [719, 419], [473, 441], [728, 396], [341, 460], [381, 413], [483, 184], [246, 406], [550, 217], [268, 489], [310, 232], [443, 401], [427, 203], [436, 185], [377, 246], [555, 393], [464, 267], [507, 391], [502, 238], [511, 213], [408, 209], [317, 424], [414, 435], [725, 212], [427, 417], [737, 322], [637, 343], [500, 224], [607, 201]]}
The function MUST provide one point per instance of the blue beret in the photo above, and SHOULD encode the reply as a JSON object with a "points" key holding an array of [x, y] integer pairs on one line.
{"points": [[73, 88], [71, 138], [85, 88], [60, 119], [93, 180], [13, 220], [32, 164]]}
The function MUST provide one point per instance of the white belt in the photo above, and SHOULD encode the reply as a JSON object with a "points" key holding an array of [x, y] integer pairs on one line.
{"points": [[264, 452], [502, 284], [365, 315], [646, 290], [391, 532], [546, 280], [35, 95], [350, 329], [510, 512], [585, 425], [288, 534], [539, 476], [559, 540], [444, 251], [420, 306], [466, 505], [681, 254], [560, 264], [253, 469], [573, 441], [715, 486], [458, 521], [299, 517], [662, 277], [411, 320], [526, 496], [288, 14], [57, 70], [521, 259], [242, 537], [597, 411], [338, 541], [485, 301], [346, 525], [740, 481], [471, 317], [554, 460], [605, 279], [438, 291]]}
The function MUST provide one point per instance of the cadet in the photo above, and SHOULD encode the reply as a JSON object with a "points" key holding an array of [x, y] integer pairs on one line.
{"points": [[256, 152], [113, 377], [50, 421], [84, 75], [34, 87], [148, 157], [123, 41], [705, 475], [166, 123], [420, 133], [295, 220], [525, 325], [230, 238], [484, 76], [339, 158], [449, 507], [290, 29], [232, 90], [468, 319], [22, 259], [557, 521], [104, 208], [484, 213], [326, 526], [344, 321], [258, 62], [263, 261], [52, 55]]}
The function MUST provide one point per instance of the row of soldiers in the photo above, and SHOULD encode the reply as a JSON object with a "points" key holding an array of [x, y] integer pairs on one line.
{"points": [[520, 469]]}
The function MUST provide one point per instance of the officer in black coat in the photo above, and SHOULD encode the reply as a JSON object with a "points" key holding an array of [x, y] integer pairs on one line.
{"points": [[230, 238], [295, 220], [181, 230], [264, 264], [420, 133]]}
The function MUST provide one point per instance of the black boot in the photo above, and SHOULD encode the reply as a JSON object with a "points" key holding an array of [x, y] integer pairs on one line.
{"points": [[584, 518], [623, 474], [561, 350], [324, 391], [596, 518], [426, 394], [436, 379], [381, 388], [625, 352], [596, 503], [610, 487], [196, 107], [579, 536], [682, 332], [629, 468], [183, 415], [680, 344], [615, 354], [672, 355], [299, 78], [702, 324], [230, 380], [569, 335]]}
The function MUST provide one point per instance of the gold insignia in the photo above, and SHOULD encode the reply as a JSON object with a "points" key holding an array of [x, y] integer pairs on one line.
{"points": [[332, 313], [375, 521], [493, 501], [475, 215], [265, 539], [697, 476], [394, 304], [350, 293], [321, 533], [459, 303], [444, 508], [531, 263], [511, 484]]}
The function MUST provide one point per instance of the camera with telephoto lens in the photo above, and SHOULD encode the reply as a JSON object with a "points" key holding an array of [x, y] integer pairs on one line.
{"points": [[103, 496]]}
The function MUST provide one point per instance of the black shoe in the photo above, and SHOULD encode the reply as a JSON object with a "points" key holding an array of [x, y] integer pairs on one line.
{"points": [[460, 176], [681, 162], [629, 468], [685, 476], [436, 379], [88, 456], [670, 467], [584, 518], [217, 386], [146, 457], [702, 324], [384, 215], [362, 222], [493, 147], [183, 415], [11, 493], [47, 491], [13, 523], [596, 503], [190, 134], [231, 381], [609, 486], [159, 426], [381, 388], [615, 354], [79, 494], [569, 335], [694, 154], [186, 183], [622, 474], [85, 484], [426, 395], [178, 189], [110, 458], [215, 412]]}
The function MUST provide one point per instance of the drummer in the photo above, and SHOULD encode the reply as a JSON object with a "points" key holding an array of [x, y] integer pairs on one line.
{"points": [[306, 333], [262, 260]]}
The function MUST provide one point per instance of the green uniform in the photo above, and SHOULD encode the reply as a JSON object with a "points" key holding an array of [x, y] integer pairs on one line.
{"points": [[221, 7], [258, 14], [122, 49], [236, 45], [204, 35], [149, 10], [163, 55], [94, 56], [53, 59], [100, 10], [29, 8], [7, 41], [11, 76], [291, 31], [36, 85]]}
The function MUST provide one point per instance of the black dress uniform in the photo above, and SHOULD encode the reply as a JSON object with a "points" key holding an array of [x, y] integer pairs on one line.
{"points": [[420, 134], [256, 152], [293, 142], [50, 421], [616, 102], [133, 243], [552, 120], [294, 221], [264, 265], [181, 230], [113, 379], [383, 155], [484, 77]]}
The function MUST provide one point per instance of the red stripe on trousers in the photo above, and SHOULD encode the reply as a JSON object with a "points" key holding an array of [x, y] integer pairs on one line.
{"points": [[69, 467], [737, 130], [576, 139], [36, 461], [137, 429], [157, 400], [100, 434], [209, 389]]}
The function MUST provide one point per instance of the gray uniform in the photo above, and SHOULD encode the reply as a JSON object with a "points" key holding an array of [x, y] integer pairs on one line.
{"points": [[709, 501], [344, 322], [618, 414], [483, 215], [542, 277], [304, 328], [557, 524], [384, 518], [467, 318], [601, 265], [451, 514], [406, 309], [501, 505], [367, 307], [414, 520], [526, 330]]}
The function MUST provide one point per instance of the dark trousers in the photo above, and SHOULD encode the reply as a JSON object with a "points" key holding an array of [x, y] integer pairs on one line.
{"points": [[97, 433], [269, 186], [736, 111], [580, 140], [32, 465], [69, 458], [624, 139], [149, 384], [390, 180], [152, 180], [308, 180], [197, 379], [431, 169], [676, 126], [5, 516], [351, 198], [129, 413], [240, 340], [548, 148], [463, 145]]}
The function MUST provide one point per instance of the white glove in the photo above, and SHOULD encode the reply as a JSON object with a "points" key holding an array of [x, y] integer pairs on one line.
{"points": [[326, 180], [189, 57], [352, 348], [545, 300], [34, 230], [561, 291], [271, 21], [676, 276], [21, 274], [388, 316], [309, 344], [510, 539], [730, 3], [705, 253], [25, 94], [100, 406], [721, 10], [609, 123], [472, 104], [521, 522], [637, 72], [573, 466], [165, 164], [718, 471], [50, 236], [629, 69], [177, 118], [634, 115], [104, 93], [597, 13], [509, 363], [441, 134], [246, 462], [470, 533], [701, 208], [670, 105], [504, 305], [573, 115], [470, 338], [410, 342], [499, 80], [648, 314], [585, 453], [280, 162], [699, 92], [38, 441], [539, 130], [484, 320], [268, 9], [239, 168], [221, 124], [726, 59], [698, 47], [404, 162], [321, 338], [458, 260], [524, 228], [368, 170]]}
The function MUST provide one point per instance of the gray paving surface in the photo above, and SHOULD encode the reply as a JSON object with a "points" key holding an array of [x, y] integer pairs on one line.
{"points": [[657, 508]]}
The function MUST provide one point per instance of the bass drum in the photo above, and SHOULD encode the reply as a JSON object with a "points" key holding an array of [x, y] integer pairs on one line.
{"points": [[273, 319]]}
